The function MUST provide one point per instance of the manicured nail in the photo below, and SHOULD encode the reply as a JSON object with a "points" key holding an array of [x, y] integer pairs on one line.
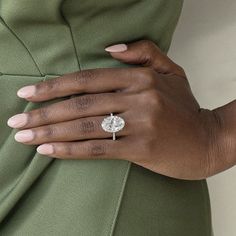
{"points": [[24, 136], [45, 149], [117, 48], [17, 121], [26, 92]]}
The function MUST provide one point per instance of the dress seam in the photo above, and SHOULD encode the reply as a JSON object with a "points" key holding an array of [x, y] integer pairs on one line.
{"points": [[72, 36], [120, 198], [22, 43]]}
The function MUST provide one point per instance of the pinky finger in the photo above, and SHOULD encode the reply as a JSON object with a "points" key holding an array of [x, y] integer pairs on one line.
{"points": [[92, 149]]}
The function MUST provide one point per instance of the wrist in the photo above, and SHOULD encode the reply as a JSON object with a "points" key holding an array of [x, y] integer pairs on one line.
{"points": [[221, 145], [227, 132]]}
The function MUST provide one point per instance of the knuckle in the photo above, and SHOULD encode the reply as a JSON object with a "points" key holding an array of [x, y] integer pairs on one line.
{"points": [[149, 123], [49, 131], [149, 49], [85, 76], [152, 98], [49, 85], [148, 45], [31, 115], [87, 127], [69, 150], [82, 102], [148, 77], [43, 114], [96, 149]]}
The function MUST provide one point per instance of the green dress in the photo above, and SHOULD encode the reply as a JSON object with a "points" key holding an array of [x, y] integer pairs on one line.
{"points": [[43, 39]]}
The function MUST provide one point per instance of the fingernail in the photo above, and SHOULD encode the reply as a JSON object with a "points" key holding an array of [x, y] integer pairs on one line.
{"points": [[117, 48], [17, 121], [26, 92], [24, 136], [45, 149]]}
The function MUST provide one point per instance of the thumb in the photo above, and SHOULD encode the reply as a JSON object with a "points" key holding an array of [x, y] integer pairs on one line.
{"points": [[145, 53]]}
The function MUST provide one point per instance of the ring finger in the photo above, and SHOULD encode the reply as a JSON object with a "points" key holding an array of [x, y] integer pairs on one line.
{"points": [[79, 129]]}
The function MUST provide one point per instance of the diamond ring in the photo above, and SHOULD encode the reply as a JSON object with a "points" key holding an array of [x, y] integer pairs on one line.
{"points": [[113, 124]]}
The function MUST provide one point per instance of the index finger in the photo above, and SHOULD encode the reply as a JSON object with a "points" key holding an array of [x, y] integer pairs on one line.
{"points": [[86, 81]]}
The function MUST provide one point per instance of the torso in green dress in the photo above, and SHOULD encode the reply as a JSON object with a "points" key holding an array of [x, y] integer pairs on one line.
{"points": [[41, 39]]}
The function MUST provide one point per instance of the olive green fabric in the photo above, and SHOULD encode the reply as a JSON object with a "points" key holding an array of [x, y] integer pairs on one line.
{"points": [[42, 39]]}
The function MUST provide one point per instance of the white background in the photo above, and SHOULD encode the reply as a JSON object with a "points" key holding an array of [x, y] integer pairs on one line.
{"points": [[205, 45]]}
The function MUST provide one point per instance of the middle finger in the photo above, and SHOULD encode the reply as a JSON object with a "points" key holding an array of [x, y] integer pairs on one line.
{"points": [[74, 108]]}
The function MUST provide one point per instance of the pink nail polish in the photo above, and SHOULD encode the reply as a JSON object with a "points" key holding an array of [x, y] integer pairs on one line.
{"points": [[45, 149], [117, 48], [26, 92], [24, 136], [17, 121]]}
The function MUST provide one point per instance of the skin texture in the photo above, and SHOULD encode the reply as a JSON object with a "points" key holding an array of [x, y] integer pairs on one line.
{"points": [[166, 130]]}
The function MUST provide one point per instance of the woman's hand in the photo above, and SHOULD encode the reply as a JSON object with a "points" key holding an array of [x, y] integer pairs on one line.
{"points": [[166, 131]]}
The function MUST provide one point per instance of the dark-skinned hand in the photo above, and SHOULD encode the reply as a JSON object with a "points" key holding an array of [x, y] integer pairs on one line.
{"points": [[166, 131]]}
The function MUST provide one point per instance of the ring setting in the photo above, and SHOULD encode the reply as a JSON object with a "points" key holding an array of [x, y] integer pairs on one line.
{"points": [[113, 124]]}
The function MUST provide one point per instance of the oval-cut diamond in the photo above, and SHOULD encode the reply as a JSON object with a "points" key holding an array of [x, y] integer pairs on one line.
{"points": [[113, 124]]}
